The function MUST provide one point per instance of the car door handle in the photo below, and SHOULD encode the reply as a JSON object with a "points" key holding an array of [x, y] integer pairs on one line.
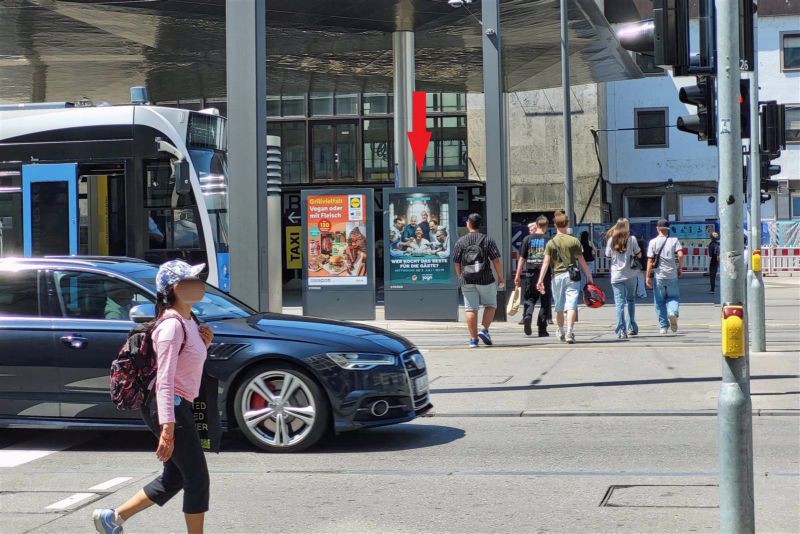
{"points": [[75, 341]]}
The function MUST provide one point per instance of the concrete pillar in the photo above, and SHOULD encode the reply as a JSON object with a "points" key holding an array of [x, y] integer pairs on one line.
{"points": [[498, 196], [403, 56], [245, 41]]}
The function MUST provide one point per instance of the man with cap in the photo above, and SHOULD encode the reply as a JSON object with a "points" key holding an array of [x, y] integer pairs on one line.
{"points": [[665, 265], [531, 258]]}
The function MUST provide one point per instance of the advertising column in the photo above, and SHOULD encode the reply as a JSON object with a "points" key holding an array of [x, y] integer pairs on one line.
{"points": [[338, 240], [419, 235]]}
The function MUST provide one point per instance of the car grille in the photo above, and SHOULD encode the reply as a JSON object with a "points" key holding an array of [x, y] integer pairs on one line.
{"points": [[412, 372]]}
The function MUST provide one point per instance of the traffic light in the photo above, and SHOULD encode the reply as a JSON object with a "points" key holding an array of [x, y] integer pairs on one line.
{"points": [[767, 171], [665, 36], [773, 139], [773, 132], [704, 124], [744, 107]]}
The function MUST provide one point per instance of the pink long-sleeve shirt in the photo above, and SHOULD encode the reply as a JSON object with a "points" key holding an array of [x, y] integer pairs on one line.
{"points": [[179, 372]]}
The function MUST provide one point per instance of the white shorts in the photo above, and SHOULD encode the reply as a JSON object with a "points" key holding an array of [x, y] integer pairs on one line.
{"points": [[565, 293]]}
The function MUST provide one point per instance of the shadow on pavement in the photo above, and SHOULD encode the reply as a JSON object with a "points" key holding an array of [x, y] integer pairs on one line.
{"points": [[406, 436], [611, 383]]}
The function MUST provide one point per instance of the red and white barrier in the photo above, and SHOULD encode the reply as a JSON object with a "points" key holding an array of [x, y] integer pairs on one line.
{"points": [[776, 260], [695, 259], [602, 264]]}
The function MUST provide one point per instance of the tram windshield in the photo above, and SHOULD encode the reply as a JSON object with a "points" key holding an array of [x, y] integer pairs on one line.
{"points": [[207, 144]]}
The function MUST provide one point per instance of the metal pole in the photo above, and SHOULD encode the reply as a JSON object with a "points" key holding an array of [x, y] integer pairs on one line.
{"points": [[246, 62], [274, 226], [498, 198], [569, 200], [403, 58], [734, 406], [755, 279]]}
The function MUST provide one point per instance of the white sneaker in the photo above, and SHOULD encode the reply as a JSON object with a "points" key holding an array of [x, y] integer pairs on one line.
{"points": [[664, 330], [560, 334], [673, 322], [570, 338]]}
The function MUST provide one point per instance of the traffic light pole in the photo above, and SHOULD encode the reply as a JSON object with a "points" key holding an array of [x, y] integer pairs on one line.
{"points": [[755, 280], [734, 405]]}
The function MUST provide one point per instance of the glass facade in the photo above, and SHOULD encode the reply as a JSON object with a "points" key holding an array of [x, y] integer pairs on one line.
{"points": [[344, 138], [378, 139]]}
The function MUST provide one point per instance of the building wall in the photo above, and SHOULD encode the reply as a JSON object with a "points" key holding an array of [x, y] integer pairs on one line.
{"points": [[535, 150], [689, 163]]}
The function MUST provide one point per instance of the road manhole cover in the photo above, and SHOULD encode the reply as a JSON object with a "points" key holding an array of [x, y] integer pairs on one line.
{"points": [[662, 496]]}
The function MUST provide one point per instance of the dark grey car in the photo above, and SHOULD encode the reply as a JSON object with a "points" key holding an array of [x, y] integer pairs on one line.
{"points": [[284, 380]]}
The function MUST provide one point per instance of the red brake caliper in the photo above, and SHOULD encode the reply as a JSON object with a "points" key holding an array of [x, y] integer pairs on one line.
{"points": [[258, 402]]}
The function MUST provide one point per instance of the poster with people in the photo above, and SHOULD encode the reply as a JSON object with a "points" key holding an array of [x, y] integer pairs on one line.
{"points": [[336, 226], [419, 236]]}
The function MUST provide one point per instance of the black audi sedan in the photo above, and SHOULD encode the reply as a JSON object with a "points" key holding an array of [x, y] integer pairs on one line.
{"points": [[284, 381]]}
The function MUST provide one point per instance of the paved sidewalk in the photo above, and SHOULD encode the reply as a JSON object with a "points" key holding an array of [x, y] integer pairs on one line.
{"points": [[783, 291], [649, 374]]}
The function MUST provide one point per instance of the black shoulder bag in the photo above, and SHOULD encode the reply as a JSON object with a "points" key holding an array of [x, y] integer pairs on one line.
{"points": [[636, 262], [657, 258], [572, 269]]}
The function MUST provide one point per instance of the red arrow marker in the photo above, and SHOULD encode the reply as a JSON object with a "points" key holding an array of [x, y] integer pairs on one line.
{"points": [[419, 136]]}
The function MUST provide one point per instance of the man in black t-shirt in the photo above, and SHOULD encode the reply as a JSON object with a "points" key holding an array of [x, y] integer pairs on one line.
{"points": [[713, 263], [473, 258], [531, 257]]}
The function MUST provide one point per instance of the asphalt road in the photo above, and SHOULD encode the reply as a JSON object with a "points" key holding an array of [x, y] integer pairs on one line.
{"points": [[503, 468], [493, 474]]}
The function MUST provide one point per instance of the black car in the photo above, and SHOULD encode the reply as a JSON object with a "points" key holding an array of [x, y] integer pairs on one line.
{"points": [[284, 380]]}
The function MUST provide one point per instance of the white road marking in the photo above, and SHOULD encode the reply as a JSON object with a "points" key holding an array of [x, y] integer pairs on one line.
{"points": [[70, 501], [13, 458], [110, 483], [36, 448]]}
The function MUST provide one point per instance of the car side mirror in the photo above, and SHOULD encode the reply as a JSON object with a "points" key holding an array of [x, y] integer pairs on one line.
{"points": [[142, 313], [180, 172]]}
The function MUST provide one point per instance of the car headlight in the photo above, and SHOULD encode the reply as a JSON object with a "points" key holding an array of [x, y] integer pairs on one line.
{"points": [[361, 362], [419, 360]]}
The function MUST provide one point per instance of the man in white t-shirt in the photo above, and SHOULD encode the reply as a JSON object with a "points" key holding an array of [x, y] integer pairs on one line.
{"points": [[665, 265]]}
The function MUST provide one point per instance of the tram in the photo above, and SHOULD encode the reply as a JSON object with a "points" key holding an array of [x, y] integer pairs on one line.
{"points": [[137, 180]]}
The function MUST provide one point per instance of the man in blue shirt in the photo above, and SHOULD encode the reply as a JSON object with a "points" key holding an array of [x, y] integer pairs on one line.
{"points": [[531, 258]]}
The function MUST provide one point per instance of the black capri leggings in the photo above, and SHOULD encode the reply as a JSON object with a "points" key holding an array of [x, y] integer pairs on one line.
{"points": [[186, 470]]}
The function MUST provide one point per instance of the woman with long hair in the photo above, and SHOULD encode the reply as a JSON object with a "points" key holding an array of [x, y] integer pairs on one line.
{"points": [[621, 247], [181, 347]]}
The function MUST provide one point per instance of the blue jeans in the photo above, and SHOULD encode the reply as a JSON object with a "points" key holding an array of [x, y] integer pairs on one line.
{"points": [[667, 296], [625, 293]]}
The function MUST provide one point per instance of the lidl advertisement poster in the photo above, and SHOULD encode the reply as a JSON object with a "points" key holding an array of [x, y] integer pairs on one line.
{"points": [[337, 240], [419, 242]]}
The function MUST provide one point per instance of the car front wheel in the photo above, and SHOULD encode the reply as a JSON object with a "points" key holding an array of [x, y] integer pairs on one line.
{"points": [[281, 409]]}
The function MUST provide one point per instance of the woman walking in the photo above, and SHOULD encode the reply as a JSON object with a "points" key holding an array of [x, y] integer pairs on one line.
{"points": [[621, 248], [181, 347], [588, 255]]}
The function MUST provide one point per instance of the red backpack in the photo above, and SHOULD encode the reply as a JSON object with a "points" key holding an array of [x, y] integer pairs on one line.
{"points": [[135, 367]]}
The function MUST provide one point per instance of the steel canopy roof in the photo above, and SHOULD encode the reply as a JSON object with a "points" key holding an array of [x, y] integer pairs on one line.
{"points": [[68, 49]]}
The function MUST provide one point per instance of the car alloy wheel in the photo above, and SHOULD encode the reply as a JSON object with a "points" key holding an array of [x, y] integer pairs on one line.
{"points": [[281, 409]]}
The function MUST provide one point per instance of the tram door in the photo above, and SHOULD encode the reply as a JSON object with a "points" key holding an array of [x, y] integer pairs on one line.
{"points": [[101, 208], [50, 209]]}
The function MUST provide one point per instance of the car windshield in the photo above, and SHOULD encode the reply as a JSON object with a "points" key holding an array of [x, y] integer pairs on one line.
{"points": [[215, 304]]}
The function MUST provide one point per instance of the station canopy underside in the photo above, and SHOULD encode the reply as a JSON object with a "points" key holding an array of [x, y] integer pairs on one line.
{"points": [[63, 50]]}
